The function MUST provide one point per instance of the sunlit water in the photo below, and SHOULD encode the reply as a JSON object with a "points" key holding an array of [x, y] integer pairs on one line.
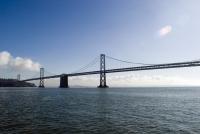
{"points": [[100, 111]]}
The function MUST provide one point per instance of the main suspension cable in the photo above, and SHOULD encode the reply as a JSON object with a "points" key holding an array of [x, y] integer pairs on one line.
{"points": [[129, 62], [90, 64]]}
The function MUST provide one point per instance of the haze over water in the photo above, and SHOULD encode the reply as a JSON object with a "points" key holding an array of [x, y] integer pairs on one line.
{"points": [[98, 111]]}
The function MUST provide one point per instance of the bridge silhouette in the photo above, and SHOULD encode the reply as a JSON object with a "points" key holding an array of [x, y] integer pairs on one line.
{"points": [[102, 72]]}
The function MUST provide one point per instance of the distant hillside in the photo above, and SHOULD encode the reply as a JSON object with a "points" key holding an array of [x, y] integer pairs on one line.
{"points": [[15, 83]]}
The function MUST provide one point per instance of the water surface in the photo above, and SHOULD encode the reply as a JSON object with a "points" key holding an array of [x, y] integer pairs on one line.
{"points": [[100, 111]]}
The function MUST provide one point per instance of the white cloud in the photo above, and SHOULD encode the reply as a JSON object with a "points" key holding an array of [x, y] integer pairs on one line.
{"points": [[165, 30], [4, 58], [17, 63], [130, 80]]}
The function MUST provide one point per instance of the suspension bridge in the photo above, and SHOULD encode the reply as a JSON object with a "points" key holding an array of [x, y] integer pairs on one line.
{"points": [[103, 71]]}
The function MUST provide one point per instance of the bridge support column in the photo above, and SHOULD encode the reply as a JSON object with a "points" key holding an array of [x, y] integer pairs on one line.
{"points": [[41, 78], [64, 81], [18, 77], [102, 72]]}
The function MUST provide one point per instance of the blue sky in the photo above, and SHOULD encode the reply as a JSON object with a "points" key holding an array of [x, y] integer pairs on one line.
{"points": [[64, 35]]}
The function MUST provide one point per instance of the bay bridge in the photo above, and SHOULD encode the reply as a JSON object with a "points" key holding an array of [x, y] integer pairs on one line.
{"points": [[103, 71]]}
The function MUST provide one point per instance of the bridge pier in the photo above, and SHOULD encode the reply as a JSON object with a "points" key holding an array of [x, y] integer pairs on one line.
{"points": [[41, 85], [64, 81], [102, 72]]}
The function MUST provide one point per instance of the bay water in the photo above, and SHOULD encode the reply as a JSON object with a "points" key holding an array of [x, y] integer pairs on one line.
{"points": [[149, 110]]}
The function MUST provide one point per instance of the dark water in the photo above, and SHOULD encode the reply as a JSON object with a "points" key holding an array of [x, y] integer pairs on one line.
{"points": [[100, 111]]}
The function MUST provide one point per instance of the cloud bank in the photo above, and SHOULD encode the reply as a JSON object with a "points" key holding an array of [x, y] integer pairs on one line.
{"points": [[165, 30], [17, 63], [131, 80]]}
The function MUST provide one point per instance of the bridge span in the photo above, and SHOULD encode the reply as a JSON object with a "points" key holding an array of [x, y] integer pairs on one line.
{"points": [[103, 71]]}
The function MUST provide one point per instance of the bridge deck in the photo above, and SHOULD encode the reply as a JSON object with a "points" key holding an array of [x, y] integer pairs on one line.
{"points": [[139, 68]]}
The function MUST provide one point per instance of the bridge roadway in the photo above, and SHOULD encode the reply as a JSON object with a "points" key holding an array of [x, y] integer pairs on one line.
{"points": [[138, 68]]}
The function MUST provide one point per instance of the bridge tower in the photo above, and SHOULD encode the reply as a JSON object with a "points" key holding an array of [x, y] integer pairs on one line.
{"points": [[41, 78], [18, 77], [102, 72], [64, 81]]}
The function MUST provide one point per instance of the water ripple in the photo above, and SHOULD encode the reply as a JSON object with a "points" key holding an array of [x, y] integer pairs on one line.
{"points": [[96, 111]]}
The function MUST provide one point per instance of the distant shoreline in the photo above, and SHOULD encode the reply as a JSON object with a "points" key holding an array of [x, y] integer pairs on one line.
{"points": [[15, 83]]}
